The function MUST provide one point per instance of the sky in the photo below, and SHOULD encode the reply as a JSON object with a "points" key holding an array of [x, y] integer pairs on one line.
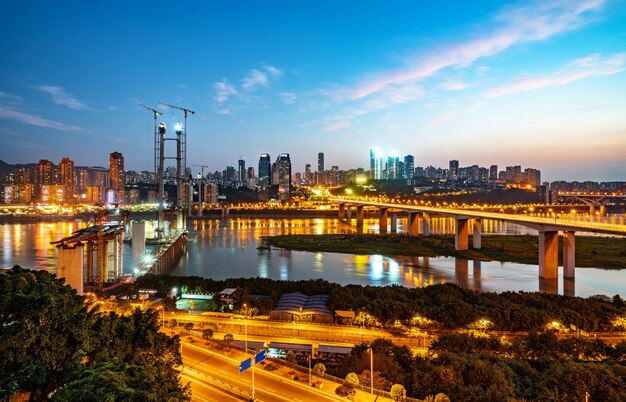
{"points": [[540, 84]]}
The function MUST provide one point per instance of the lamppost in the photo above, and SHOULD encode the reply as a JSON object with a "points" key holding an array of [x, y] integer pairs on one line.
{"points": [[371, 370], [310, 358]]}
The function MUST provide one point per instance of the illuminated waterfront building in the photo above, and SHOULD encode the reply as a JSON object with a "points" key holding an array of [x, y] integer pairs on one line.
{"points": [[67, 178], [265, 166], [116, 170], [284, 177], [409, 165], [241, 173]]}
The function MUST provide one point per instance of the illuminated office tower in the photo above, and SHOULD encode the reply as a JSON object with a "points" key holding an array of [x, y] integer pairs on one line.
{"points": [[67, 178], [320, 162], [116, 170], [409, 163], [241, 173], [284, 177]]}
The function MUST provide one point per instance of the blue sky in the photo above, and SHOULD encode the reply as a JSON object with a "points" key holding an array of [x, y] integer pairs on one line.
{"points": [[536, 83]]}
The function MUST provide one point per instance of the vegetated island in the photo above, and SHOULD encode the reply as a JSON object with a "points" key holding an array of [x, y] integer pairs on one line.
{"points": [[591, 252]]}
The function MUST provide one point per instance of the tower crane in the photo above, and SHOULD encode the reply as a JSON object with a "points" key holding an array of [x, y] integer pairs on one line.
{"points": [[181, 159], [158, 170]]}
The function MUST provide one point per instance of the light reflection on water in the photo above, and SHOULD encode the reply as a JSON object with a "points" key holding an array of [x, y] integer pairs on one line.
{"points": [[228, 248]]}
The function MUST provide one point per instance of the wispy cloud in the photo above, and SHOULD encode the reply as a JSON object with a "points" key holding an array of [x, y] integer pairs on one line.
{"points": [[454, 85], [253, 80], [223, 91], [590, 66], [8, 98], [516, 25], [442, 119], [288, 97], [61, 97], [260, 78], [337, 125], [12, 114], [256, 79]]}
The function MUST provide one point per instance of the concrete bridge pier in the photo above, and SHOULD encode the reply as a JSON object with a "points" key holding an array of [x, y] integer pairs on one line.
{"points": [[413, 223], [548, 254], [382, 222], [569, 287], [394, 222], [224, 211], [349, 212], [478, 231], [359, 215], [461, 234], [569, 251], [425, 224], [342, 210]]}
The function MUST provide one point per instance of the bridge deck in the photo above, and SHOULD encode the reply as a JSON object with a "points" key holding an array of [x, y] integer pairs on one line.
{"points": [[535, 222]]}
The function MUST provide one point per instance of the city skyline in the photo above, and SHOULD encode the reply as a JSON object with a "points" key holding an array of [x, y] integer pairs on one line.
{"points": [[540, 84]]}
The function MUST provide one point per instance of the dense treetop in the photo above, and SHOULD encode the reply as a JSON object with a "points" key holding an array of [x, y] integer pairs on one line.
{"points": [[56, 346]]}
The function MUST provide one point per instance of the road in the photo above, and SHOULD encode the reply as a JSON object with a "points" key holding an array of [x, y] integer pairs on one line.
{"points": [[269, 387]]}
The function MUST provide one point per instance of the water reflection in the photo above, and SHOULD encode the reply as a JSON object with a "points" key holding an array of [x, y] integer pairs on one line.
{"points": [[231, 248]]}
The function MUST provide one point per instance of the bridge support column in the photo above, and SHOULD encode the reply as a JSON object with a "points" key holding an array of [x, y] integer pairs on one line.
{"points": [[342, 210], [592, 210], [548, 254], [413, 223], [569, 249], [382, 222], [478, 231], [394, 222], [349, 212], [359, 215], [602, 209], [425, 224], [461, 234]]}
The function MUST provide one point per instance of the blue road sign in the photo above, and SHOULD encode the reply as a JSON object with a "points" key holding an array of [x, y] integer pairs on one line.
{"points": [[244, 365], [259, 357]]}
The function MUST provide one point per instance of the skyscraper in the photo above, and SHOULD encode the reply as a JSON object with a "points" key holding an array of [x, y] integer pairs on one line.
{"points": [[116, 170], [45, 175], [320, 162], [393, 167], [66, 168], [265, 174], [241, 174], [373, 163], [454, 170], [493, 172], [307, 173], [409, 162], [284, 176]]}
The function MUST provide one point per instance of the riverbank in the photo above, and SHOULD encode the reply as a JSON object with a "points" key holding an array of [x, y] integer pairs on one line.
{"points": [[591, 252]]}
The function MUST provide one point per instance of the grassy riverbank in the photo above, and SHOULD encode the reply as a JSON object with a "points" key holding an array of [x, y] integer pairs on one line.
{"points": [[596, 252]]}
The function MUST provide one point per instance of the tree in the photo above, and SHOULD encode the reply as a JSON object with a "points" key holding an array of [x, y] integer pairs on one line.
{"points": [[52, 344], [352, 380], [173, 323], [441, 397], [207, 334], [319, 369], [398, 393], [188, 327]]}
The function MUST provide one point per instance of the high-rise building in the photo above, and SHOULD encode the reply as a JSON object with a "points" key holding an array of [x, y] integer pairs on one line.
{"points": [[265, 176], [517, 174], [533, 177], [66, 169], [409, 162], [241, 174], [307, 173], [284, 176], [82, 180], [393, 167], [453, 170], [116, 170], [373, 152], [493, 172], [320, 162], [230, 177], [45, 176]]}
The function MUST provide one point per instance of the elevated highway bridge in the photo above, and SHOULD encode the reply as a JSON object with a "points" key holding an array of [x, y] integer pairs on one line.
{"points": [[548, 228]]}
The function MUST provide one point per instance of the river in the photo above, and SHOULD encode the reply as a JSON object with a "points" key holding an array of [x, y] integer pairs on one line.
{"points": [[228, 248]]}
